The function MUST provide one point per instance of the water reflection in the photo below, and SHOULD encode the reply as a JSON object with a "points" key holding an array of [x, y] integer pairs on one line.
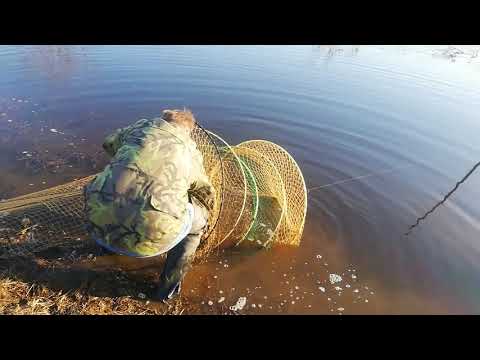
{"points": [[451, 53], [332, 50], [56, 62]]}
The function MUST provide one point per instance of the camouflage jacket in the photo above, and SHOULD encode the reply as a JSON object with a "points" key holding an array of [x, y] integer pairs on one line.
{"points": [[138, 203]]}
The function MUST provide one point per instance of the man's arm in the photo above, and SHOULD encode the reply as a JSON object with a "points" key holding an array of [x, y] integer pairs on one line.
{"points": [[113, 141], [201, 186]]}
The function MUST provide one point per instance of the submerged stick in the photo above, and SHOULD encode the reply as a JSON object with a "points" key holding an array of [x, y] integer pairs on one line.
{"points": [[444, 198]]}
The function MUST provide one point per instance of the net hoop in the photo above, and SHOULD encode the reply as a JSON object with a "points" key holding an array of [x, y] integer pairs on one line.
{"points": [[210, 160], [230, 160], [295, 188], [263, 172]]}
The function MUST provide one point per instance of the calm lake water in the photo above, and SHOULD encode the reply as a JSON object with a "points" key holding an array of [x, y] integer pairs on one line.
{"points": [[342, 112]]}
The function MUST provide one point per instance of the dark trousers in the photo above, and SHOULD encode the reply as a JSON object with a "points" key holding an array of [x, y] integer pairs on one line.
{"points": [[179, 258]]}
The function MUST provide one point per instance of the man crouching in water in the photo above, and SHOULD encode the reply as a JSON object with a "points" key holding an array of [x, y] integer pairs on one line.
{"points": [[141, 204]]}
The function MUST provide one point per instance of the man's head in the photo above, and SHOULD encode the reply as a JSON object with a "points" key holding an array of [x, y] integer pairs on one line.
{"points": [[183, 118]]}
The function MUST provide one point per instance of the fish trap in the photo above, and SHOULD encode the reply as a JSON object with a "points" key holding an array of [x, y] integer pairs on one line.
{"points": [[261, 200]]}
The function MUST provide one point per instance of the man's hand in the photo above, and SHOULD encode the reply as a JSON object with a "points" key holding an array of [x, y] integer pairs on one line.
{"points": [[205, 196]]}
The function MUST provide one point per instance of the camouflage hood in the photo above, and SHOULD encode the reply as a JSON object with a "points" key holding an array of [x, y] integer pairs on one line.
{"points": [[138, 203]]}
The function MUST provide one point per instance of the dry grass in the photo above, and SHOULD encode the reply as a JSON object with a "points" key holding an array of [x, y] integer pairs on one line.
{"points": [[20, 298], [57, 283], [52, 290]]}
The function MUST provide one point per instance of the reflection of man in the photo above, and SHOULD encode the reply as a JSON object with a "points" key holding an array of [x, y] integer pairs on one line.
{"points": [[140, 205]]}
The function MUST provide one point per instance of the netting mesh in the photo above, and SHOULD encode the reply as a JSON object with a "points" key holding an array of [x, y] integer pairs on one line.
{"points": [[234, 192], [268, 205], [212, 162], [261, 200], [48, 218], [295, 190]]}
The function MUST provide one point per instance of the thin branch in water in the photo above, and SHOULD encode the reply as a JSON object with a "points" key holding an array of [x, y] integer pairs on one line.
{"points": [[443, 200]]}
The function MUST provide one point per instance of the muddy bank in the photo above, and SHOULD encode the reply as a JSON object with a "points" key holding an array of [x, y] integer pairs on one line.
{"points": [[87, 280], [56, 284]]}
